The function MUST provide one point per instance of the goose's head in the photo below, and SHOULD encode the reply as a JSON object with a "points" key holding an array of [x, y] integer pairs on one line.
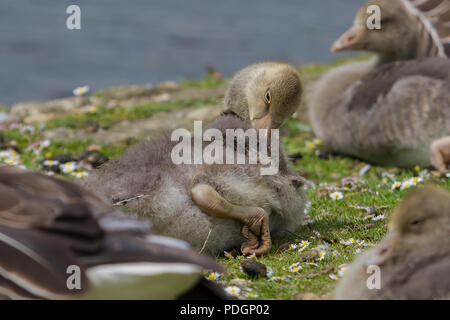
{"points": [[396, 37], [267, 94], [422, 220]]}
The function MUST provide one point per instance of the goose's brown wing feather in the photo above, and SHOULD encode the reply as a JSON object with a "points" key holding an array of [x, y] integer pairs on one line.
{"points": [[38, 261], [47, 225], [379, 82], [10, 290]]}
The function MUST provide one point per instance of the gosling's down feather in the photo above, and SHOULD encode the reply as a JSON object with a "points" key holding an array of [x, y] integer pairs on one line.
{"points": [[159, 190], [50, 229]]}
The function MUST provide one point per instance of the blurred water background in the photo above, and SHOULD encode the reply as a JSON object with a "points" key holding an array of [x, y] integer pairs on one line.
{"points": [[147, 41]]}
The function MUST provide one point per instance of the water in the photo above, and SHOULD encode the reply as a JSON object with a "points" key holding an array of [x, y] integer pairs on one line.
{"points": [[147, 41]]}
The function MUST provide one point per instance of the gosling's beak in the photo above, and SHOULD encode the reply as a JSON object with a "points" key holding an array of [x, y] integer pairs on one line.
{"points": [[264, 123], [383, 250], [349, 39]]}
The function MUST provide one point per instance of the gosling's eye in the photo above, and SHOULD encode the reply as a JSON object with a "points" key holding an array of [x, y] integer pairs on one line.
{"points": [[416, 224], [386, 21], [268, 96]]}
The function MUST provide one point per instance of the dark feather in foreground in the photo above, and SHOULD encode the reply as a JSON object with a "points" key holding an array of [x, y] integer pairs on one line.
{"points": [[47, 225]]}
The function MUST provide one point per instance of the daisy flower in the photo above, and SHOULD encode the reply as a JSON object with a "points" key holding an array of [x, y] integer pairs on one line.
{"points": [[68, 167], [333, 276], [8, 154], [406, 185], [80, 174], [292, 247], [228, 255], [233, 290], [361, 243], [50, 163], [252, 295], [310, 145], [348, 242], [396, 185], [342, 270], [317, 142], [321, 255], [336, 195], [81, 91], [415, 180], [295, 267], [304, 244], [447, 175], [313, 264], [214, 276], [12, 161], [379, 217]]}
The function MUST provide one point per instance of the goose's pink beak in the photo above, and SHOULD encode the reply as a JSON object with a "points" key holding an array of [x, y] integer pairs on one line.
{"points": [[264, 123], [349, 39]]}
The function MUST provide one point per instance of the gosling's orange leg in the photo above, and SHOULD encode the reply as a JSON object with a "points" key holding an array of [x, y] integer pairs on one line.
{"points": [[440, 154], [255, 220]]}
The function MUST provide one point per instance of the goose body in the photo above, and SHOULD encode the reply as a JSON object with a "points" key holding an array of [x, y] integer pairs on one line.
{"points": [[413, 260], [388, 110], [60, 241], [162, 192]]}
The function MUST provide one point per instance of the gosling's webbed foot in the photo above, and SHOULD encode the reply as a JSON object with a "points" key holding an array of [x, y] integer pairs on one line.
{"points": [[440, 154], [255, 220], [256, 233]]}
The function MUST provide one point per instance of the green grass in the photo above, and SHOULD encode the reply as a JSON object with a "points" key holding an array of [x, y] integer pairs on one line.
{"points": [[333, 220], [107, 117], [208, 82]]}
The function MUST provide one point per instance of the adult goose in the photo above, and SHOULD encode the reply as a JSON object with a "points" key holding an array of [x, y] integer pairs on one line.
{"points": [[391, 109], [207, 204], [60, 241]]}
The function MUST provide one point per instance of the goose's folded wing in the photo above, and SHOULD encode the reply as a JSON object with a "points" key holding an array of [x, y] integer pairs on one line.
{"points": [[10, 290], [48, 225], [379, 82], [38, 262], [41, 225]]}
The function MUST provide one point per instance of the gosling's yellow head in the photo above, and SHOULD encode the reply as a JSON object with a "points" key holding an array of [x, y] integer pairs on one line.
{"points": [[267, 94]]}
